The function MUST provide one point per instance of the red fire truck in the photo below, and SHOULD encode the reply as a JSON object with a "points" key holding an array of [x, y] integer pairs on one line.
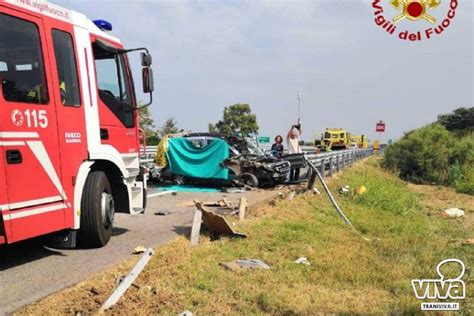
{"points": [[69, 131]]}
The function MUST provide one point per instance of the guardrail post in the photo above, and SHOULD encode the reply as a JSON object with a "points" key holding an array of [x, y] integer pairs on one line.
{"points": [[323, 166], [331, 165], [338, 162]]}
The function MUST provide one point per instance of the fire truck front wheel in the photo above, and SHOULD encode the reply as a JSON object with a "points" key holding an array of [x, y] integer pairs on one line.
{"points": [[97, 211]]}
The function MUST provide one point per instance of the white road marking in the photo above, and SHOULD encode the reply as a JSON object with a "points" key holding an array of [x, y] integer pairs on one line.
{"points": [[160, 193]]}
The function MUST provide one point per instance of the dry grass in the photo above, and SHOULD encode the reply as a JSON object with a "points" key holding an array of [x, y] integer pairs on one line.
{"points": [[347, 273]]}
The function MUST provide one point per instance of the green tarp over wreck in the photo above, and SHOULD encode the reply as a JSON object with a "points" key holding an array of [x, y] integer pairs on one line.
{"points": [[188, 160]]}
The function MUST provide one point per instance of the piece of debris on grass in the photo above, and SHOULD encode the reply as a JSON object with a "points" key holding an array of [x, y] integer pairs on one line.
{"points": [[244, 264], [216, 224], [361, 190], [453, 213], [138, 250], [302, 260], [316, 191], [162, 213], [345, 190], [468, 242], [186, 313], [126, 282]]}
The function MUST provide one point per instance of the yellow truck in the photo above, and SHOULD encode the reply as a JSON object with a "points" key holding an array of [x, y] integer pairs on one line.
{"points": [[335, 138], [360, 141]]}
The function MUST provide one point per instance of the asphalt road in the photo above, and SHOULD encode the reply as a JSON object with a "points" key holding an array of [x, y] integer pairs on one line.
{"points": [[30, 271]]}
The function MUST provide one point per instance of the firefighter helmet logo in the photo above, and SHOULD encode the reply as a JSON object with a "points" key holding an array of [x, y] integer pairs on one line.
{"points": [[434, 17], [17, 118], [415, 10]]}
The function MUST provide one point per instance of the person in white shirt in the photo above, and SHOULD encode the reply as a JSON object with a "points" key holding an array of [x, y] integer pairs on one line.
{"points": [[293, 140]]}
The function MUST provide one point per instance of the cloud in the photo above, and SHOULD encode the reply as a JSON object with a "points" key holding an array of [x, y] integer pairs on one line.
{"points": [[209, 54]]}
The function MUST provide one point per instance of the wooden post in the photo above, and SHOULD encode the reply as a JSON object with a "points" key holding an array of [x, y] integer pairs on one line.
{"points": [[242, 208], [196, 228]]}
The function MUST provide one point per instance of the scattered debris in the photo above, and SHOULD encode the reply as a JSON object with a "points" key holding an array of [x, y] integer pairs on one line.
{"points": [[454, 213], [162, 212], [239, 265], [139, 250], [345, 190], [232, 190], [174, 193], [221, 203], [316, 191], [186, 313], [361, 190], [468, 242], [242, 208], [216, 224], [128, 280], [302, 260]]}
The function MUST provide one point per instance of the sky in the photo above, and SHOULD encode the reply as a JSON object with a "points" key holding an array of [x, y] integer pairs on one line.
{"points": [[350, 72]]}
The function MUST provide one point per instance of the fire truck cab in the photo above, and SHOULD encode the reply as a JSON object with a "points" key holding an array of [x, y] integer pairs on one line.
{"points": [[69, 128]]}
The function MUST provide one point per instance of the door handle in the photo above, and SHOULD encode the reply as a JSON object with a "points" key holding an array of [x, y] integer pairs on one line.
{"points": [[14, 157], [104, 133]]}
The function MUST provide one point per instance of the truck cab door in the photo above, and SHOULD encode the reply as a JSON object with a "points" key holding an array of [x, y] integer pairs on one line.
{"points": [[116, 96], [28, 129]]}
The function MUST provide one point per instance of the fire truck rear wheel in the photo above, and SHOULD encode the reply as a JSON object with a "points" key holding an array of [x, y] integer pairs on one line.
{"points": [[97, 211]]}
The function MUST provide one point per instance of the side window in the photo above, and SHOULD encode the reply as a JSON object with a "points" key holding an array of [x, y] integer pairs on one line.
{"points": [[21, 67], [114, 84], [67, 70]]}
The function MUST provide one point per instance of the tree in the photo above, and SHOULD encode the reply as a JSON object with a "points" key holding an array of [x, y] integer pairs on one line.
{"points": [[147, 123], [460, 121], [169, 127], [237, 119]]}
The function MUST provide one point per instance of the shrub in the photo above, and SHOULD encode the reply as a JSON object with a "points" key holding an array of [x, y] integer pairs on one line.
{"points": [[421, 156], [433, 155]]}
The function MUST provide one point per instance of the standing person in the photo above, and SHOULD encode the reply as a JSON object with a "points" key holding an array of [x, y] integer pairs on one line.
{"points": [[293, 140], [277, 147]]}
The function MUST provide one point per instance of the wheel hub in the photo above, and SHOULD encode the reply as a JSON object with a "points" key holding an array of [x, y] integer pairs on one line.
{"points": [[108, 209]]}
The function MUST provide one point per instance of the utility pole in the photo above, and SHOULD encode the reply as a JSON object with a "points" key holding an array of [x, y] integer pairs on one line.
{"points": [[299, 106]]}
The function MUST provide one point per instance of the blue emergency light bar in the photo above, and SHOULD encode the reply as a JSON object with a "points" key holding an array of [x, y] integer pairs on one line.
{"points": [[103, 25]]}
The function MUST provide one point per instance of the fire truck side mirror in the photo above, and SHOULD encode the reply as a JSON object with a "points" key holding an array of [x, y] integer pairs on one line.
{"points": [[146, 59], [148, 83]]}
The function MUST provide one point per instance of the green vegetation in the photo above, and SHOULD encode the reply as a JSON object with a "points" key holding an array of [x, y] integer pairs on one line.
{"points": [[154, 135], [435, 155], [399, 238], [237, 119], [461, 121]]}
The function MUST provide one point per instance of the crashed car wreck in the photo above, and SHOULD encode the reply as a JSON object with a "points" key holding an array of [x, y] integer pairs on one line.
{"points": [[246, 163]]}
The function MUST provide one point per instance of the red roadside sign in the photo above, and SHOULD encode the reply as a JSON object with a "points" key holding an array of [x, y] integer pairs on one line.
{"points": [[380, 128]]}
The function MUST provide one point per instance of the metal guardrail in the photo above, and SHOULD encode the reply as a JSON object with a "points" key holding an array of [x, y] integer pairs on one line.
{"points": [[326, 161], [334, 161]]}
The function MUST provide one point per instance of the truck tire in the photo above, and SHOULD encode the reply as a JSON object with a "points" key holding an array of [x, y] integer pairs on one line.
{"points": [[249, 179], [97, 211]]}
